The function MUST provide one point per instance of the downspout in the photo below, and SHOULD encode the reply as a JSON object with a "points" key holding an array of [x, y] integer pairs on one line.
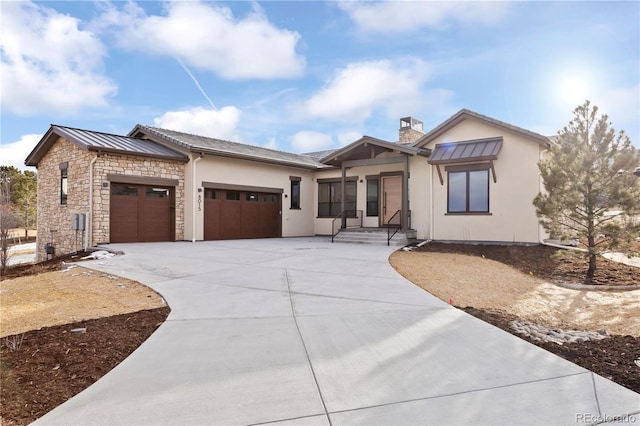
{"points": [[431, 210], [195, 195], [90, 215]]}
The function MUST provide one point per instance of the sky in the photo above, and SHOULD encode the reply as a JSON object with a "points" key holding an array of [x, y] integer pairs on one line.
{"points": [[303, 76]]}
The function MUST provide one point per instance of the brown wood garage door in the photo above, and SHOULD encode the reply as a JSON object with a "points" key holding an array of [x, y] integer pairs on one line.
{"points": [[141, 213], [232, 215]]}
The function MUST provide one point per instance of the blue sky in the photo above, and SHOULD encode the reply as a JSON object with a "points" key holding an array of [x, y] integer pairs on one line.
{"points": [[306, 76]]}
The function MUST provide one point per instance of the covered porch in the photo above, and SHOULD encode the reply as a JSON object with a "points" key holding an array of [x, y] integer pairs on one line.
{"points": [[385, 166]]}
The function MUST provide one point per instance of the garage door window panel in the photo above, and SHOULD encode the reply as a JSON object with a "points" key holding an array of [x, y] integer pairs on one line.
{"points": [[210, 194], [157, 193], [233, 196]]}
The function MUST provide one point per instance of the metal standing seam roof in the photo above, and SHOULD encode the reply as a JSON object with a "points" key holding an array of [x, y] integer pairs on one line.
{"points": [[104, 142], [467, 151], [227, 148]]}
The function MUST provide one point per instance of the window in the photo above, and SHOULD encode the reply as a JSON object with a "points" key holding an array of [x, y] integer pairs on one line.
{"points": [[330, 198], [157, 193], [211, 194], [233, 196], [372, 197], [124, 190], [252, 196], [295, 192], [468, 191], [64, 185]]}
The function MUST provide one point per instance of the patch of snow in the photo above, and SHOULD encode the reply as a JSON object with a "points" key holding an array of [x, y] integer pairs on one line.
{"points": [[100, 254], [623, 258]]}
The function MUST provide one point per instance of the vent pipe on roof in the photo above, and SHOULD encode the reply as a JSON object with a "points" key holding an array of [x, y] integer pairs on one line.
{"points": [[411, 129]]}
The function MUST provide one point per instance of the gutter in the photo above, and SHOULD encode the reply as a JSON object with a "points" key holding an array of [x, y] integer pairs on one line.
{"points": [[195, 194]]}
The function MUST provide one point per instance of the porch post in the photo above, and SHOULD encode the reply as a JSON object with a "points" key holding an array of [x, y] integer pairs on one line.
{"points": [[405, 195], [342, 202]]}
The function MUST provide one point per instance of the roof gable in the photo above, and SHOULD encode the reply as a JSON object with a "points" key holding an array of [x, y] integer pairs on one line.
{"points": [[465, 114], [101, 142], [368, 147], [207, 145]]}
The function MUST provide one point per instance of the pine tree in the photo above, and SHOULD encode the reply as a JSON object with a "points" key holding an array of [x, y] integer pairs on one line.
{"points": [[591, 191]]}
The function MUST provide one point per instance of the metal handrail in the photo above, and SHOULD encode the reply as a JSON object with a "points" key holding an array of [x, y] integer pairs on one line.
{"points": [[389, 226], [343, 213]]}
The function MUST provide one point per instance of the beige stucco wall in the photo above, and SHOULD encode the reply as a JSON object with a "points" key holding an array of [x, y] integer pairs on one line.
{"points": [[54, 216], [419, 196], [513, 217], [295, 222]]}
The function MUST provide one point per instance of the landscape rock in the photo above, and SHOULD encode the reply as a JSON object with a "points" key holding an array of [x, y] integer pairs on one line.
{"points": [[555, 335]]}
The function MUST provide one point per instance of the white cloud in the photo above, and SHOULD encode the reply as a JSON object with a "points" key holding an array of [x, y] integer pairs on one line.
{"points": [[309, 141], [622, 105], [220, 124], [356, 91], [272, 143], [48, 63], [209, 37], [14, 153], [402, 16], [347, 137]]}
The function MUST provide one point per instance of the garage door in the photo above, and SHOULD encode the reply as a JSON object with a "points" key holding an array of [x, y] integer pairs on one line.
{"points": [[141, 213], [240, 214]]}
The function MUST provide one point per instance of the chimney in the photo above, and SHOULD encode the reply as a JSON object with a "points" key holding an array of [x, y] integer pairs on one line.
{"points": [[410, 130]]}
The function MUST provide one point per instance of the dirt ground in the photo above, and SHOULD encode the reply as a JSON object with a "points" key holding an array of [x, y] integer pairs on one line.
{"points": [[67, 296], [44, 367], [499, 284], [490, 285], [44, 363]]}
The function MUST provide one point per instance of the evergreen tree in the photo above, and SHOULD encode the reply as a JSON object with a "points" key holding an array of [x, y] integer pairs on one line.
{"points": [[591, 191]]}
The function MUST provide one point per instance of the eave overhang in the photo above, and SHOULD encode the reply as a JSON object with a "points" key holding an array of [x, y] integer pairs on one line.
{"points": [[368, 148]]}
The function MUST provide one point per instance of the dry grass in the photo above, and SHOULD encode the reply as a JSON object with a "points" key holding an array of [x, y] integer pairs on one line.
{"points": [[62, 297], [490, 285]]}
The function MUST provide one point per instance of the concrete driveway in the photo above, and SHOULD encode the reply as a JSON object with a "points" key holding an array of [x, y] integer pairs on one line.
{"points": [[299, 332]]}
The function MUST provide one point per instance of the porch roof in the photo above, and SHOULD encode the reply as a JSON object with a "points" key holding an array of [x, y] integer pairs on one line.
{"points": [[466, 151], [368, 147]]}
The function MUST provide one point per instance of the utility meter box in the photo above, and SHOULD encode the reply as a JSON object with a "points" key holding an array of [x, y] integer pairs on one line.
{"points": [[78, 221]]}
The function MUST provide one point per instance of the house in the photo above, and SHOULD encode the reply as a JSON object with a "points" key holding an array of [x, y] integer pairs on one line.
{"points": [[471, 179]]}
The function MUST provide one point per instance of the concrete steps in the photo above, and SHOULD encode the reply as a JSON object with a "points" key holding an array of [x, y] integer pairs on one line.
{"points": [[374, 236]]}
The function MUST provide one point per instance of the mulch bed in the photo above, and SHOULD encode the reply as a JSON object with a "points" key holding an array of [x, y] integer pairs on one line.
{"points": [[21, 270], [50, 365]]}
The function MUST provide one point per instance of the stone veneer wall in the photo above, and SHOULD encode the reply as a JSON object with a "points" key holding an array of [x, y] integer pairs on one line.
{"points": [[407, 136], [132, 166], [54, 216]]}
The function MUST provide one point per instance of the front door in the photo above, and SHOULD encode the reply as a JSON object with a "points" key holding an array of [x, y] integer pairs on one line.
{"points": [[391, 200]]}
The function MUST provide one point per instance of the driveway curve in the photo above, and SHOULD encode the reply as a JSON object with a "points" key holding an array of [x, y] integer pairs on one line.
{"points": [[299, 331]]}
